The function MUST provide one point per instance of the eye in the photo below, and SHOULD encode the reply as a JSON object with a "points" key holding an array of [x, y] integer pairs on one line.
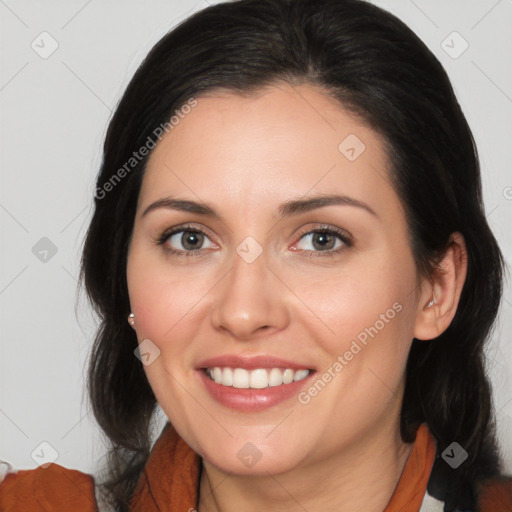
{"points": [[185, 241], [190, 241], [324, 241]]}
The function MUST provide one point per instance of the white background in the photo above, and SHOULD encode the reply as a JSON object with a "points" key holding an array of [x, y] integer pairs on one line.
{"points": [[54, 114]]}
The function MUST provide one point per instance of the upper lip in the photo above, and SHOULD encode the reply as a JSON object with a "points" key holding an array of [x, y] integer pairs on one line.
{"points": [[251, 362]]}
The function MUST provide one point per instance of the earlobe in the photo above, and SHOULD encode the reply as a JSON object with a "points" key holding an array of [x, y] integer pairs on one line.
{"points": [[443, 292]]}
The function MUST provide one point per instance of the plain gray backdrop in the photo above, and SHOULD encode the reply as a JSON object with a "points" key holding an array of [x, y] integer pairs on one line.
{"points": [[64, 66]]}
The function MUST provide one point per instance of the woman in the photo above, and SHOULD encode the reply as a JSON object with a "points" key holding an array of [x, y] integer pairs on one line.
{"points": [[289, 255]]}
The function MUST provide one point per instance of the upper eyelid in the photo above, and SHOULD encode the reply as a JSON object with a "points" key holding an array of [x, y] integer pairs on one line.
{"points": [[326, 227], [177, 229]]}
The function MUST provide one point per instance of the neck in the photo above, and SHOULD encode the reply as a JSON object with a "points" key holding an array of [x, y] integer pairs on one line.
{"points": [[362, 477]]}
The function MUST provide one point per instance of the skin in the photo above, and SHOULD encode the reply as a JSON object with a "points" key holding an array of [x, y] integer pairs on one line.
{"points": [[245, 156]]}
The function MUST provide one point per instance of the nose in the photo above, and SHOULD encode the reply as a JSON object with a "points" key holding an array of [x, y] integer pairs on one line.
{"points": [[251, 301]]}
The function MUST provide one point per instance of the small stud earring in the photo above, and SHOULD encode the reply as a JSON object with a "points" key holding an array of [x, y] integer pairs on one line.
{"points": [[131, 319], [431, 303]]}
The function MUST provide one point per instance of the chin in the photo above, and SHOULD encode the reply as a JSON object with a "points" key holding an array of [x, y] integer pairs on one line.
{"points": [[241, 456], [272, 463]]}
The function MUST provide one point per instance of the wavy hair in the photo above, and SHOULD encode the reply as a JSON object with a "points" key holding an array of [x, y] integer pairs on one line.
{"points": [[377, 68]]}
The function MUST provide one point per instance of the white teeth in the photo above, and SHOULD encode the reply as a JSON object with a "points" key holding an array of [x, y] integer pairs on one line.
{"points": [[258, 379], [288, 376], [300, 374], [255, 379], [227, 377], [276, 377], [240, 378], [217, 375]]}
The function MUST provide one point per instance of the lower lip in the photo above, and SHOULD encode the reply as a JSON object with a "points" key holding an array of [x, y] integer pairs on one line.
{"points": [[250, 400]]}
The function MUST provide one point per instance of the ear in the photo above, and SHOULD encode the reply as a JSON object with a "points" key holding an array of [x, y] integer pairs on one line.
{"points": [[446, 286]]}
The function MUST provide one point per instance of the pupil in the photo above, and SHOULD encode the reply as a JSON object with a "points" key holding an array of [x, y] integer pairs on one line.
{"points": [[323, 240], [190, 240]]}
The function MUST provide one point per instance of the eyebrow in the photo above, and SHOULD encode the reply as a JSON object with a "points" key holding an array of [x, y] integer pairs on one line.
{"points": [[287, 209]]}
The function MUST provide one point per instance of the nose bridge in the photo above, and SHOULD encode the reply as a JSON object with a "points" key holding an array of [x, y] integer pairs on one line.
{"points": [[249, 298]]}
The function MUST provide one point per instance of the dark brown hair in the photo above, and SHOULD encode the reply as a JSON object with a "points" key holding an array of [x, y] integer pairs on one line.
{"points": [[374, 65]]}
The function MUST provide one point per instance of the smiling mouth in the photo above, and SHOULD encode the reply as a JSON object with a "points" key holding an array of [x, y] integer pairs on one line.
{"points": [[259, 378]]}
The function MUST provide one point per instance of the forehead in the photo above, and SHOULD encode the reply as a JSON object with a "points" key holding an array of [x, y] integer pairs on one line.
{"points": [[283, 142]]}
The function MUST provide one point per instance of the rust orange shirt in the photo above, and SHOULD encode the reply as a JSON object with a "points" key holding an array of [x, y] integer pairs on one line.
{"points": [[56, 488]]}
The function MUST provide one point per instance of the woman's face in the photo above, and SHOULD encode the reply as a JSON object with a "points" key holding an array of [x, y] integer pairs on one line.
{"points": [[262, 274]]}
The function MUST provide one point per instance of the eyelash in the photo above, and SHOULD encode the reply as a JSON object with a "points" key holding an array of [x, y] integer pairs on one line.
{"points": [[320, 229]]}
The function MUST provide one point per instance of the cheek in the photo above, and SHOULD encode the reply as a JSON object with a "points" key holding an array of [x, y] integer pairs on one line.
{"points": [[356, 296], [157, 297], [368, 312]]}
